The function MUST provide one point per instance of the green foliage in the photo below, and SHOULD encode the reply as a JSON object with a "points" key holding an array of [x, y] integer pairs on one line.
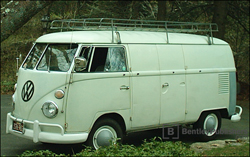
{"points": [[45, 153], [7, 86], [151, 148], [154, 147]]}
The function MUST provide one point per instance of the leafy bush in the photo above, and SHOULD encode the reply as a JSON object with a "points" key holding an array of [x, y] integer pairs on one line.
{"points": [[151, 148], [40, 153], [154, 147]]}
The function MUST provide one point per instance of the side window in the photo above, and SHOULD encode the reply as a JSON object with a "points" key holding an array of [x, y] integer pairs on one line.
{"points": [[99, 59], [116, 60], [110, 59], [85, 53]]}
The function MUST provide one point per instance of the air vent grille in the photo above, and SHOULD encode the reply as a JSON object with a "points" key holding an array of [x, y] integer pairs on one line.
{"points": [[223, 83]]}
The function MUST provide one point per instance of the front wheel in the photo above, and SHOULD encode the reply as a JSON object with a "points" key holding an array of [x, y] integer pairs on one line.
{"points": [[105, 132], [208, 125]]}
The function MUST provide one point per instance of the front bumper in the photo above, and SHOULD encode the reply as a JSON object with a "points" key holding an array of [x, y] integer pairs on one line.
{"points": [[37, 135]]}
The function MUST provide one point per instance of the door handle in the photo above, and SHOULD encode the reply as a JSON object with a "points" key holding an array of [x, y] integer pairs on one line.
{"points": [[124, 87], [165, 85]]}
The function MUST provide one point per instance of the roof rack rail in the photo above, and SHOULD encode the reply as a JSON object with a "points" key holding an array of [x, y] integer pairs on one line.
{"points": [[113, 24]]}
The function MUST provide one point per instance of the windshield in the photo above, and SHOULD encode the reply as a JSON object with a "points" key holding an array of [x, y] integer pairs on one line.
{"points": [[57, 57], [34, 56]]}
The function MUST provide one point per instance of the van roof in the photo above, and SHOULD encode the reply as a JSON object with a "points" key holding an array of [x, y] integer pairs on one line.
{"points": [[105, 37]]}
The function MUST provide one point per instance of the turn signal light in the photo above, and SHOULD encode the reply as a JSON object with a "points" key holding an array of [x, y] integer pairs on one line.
{"points": [[59, 94]]}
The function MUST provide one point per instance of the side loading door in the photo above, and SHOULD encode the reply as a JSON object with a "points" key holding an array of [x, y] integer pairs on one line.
{"points": [[103, 87], [146, 87], [173, 83]]}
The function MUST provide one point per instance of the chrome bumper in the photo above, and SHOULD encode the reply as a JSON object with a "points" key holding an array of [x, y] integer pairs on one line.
{"points": [[236, 117], [38, 136]]}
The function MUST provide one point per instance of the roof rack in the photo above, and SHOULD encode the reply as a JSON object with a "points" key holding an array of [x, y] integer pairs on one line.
{"points": [[115, 25]]}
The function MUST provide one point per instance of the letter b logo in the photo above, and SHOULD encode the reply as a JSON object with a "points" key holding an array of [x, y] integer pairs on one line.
{"points": [[170, 132]]}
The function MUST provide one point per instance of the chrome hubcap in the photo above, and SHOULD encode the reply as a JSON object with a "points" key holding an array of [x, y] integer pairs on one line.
{"points": [[210, 124], [104, 136]]}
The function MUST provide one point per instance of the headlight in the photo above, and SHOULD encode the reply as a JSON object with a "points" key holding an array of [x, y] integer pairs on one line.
{"points": [[50, 109]]}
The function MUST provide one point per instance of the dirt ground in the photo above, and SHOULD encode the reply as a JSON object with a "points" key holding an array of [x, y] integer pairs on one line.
{"points": [[200, 147]]}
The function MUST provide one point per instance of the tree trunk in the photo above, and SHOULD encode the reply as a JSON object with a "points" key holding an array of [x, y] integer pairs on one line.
{"points": [[17, 14], [161, 16], [135, 9], [220, 17]]}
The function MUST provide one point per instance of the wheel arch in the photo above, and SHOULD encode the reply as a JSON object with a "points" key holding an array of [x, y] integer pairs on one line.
{"points": [[223, 112], [209, 127], [115, 116]]}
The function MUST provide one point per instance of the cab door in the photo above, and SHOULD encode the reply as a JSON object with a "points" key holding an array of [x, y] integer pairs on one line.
{"points": [[102, 87]]}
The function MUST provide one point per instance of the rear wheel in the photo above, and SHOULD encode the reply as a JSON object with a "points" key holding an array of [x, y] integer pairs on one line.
{"points": [[208, 125], [105, 132]]}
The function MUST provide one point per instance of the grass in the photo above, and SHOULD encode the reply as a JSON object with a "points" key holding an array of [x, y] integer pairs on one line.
{"points": [[7, 87]]}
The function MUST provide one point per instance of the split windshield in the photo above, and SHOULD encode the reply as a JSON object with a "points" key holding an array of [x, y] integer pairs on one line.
{"points": [[51, 57]]}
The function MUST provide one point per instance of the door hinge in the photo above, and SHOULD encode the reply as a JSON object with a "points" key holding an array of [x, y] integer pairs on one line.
{"points": [[66, 126], [130, 118], [71, 78]]}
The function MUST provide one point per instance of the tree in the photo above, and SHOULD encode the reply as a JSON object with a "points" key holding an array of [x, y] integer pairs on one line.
{"points": [[220, 17], [161, 16], [16, 14], [135, 9]]}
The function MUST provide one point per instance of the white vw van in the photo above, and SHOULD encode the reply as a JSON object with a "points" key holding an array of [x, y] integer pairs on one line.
{"points": [[116, 76]]}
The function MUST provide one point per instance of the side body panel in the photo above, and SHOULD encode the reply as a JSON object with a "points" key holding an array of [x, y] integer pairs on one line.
{"points": [[91, 93], [207, 78]]}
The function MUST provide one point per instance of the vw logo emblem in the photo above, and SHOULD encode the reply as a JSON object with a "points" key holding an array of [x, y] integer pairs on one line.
{"points": [[27, 91]]}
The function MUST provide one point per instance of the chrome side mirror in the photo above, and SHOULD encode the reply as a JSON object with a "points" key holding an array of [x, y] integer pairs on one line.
{"points": [[80, 64]]}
